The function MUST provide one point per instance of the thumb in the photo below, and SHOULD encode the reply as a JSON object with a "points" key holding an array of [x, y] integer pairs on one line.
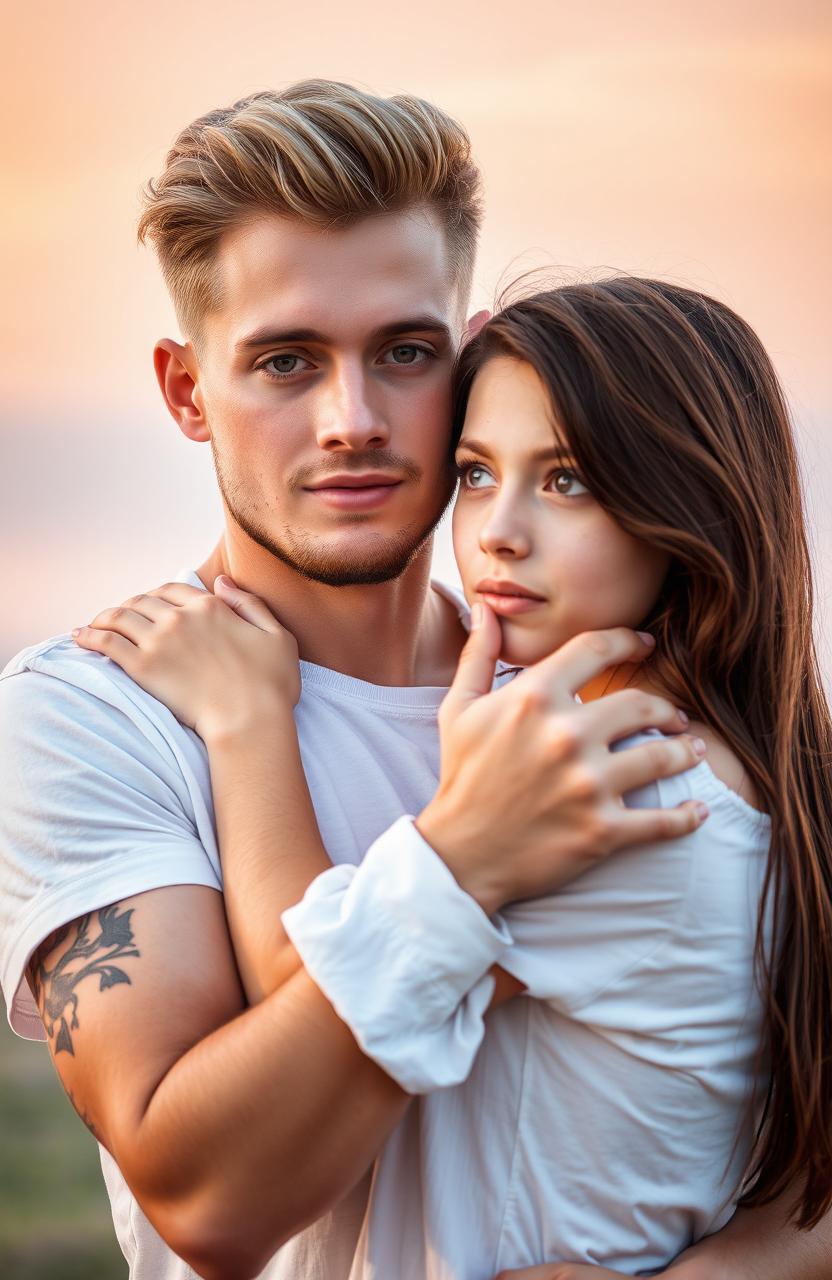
{"points": [[475, 672], [249, 607]]}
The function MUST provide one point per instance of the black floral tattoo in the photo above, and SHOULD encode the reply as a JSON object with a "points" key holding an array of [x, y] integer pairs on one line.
{"points": [[55, 988]]}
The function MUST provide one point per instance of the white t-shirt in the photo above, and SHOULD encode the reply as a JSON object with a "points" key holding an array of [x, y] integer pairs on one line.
{"points": [[598, 1121], [104, 794]]}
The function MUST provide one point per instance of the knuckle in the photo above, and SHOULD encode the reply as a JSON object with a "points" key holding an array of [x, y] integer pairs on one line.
{"points": [[530, 700], [118, 613], [564, 741], [133, 601], [599, 834], [598, 642], [585, 784]]}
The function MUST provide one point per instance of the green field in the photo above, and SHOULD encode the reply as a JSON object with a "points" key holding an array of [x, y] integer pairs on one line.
{"points": [[54, 1215]]}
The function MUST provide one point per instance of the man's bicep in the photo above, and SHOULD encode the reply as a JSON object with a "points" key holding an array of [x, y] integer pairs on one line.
{"points": [[125, 991]]}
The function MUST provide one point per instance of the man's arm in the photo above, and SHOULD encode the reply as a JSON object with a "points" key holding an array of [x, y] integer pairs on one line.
{"points": [[211, 1111], [760, 1244], [757, 1244], [236, 1128]]}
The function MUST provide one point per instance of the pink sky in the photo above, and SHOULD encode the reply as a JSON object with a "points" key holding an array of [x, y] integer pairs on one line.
{"points": [[688, 142]]}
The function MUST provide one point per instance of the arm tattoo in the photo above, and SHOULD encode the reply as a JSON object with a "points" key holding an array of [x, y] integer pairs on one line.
{"points": [[84, 1115], [92, 953]]}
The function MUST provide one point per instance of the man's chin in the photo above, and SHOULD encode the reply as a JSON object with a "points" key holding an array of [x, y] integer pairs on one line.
{"points": [[351, 561]]}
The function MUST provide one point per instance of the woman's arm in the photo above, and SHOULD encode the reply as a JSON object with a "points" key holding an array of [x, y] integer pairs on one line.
{"points": [[270, 845], [236, 685]]}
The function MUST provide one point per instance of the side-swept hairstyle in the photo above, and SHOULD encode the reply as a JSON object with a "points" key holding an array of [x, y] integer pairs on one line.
{"points": [[679, 428], [324, 152]]}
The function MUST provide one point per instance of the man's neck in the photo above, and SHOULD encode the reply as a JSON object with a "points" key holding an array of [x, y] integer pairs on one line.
{"points": [[395, 633]]}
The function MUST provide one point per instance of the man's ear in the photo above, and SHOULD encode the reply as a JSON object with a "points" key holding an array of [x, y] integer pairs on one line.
{"points": [[474, 325], [177, 374]]}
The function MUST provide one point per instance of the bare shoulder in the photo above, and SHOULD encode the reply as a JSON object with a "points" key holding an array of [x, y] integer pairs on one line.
{"points": [[726, 764]]}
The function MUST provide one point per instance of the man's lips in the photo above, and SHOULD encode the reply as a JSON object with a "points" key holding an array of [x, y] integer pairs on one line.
{"points": [[351, 480], [508, 598], [356, 492]]}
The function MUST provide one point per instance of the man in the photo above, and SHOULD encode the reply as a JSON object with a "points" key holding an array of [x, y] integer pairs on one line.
{"points": [[318, 245]]}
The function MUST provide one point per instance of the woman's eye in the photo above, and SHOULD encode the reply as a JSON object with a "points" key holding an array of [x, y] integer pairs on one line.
{"points": [[567, 484], [407, 354], [473, 476], [278, 367]]}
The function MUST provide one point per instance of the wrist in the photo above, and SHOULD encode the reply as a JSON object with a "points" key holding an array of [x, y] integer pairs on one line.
{"points": [[461, 849], [268, 713]]}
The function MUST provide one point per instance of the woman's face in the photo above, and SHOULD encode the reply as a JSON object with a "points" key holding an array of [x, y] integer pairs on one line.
{"points": [[530, 540]]}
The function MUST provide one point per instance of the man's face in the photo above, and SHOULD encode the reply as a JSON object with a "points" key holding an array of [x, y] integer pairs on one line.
{"points": [[325, 382]]}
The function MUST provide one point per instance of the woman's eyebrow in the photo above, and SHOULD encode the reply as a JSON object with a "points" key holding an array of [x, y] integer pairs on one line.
{"points": [[557, 453]]}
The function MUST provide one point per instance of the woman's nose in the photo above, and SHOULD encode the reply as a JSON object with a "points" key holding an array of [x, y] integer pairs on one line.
{"points": [[504, 534]]}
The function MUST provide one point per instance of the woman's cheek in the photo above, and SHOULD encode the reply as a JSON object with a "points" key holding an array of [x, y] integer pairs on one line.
{"points": [[466, 545]]}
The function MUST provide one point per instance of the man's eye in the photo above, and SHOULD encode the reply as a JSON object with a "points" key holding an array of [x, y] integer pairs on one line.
{"points": [[568, 484], [474, 476], [407, 354], [279, 367]]}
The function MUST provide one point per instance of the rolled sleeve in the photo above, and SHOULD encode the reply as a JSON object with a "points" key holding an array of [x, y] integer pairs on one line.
{"points": [[403, 954]]}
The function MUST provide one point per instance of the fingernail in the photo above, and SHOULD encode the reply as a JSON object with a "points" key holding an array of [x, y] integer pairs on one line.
{"points": [[702, 811], [700, 746], [223, 580], [476, 616], [685, 719], [76, 631], [647, 638]]}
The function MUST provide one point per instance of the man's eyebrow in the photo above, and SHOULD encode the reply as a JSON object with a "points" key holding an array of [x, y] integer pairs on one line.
{"points": [[268, 335], [557, 453]]}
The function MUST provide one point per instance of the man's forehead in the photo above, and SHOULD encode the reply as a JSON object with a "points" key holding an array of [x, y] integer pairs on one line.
{"points": [[279, 273]]}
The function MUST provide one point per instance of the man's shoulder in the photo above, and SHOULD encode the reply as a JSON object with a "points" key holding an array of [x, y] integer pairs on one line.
{"points": [[56, 682]]}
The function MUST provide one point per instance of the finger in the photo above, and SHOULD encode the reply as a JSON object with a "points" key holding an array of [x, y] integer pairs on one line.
{"points": [[630, 711], [586, 656], [646, 826], [125, 622], [108, 643], [177, 593], [154, 608], [248, 606], [634, 767], [477, 662]]}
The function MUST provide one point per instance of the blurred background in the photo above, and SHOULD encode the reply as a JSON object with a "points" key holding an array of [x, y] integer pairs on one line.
{"points": [[689, 142]]}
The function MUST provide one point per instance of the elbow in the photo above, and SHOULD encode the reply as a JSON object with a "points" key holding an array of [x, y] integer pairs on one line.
{"points": [[212, 1253]]}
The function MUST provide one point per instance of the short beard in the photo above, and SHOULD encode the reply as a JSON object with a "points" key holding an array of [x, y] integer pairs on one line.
{"points": [[301, 553]]}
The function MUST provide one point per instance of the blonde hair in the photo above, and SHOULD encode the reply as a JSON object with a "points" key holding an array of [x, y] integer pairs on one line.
{"points": [[320, 151]]}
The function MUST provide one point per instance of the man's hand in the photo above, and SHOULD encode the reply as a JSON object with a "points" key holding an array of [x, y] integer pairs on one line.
{"points": [[561, 1271], [530, 794]]}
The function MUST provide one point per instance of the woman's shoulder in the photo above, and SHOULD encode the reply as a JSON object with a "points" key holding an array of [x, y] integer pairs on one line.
{"points": [[721, 781]]}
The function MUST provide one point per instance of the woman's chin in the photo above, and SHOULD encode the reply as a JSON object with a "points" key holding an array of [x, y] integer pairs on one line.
{"points": [[523, 649]]}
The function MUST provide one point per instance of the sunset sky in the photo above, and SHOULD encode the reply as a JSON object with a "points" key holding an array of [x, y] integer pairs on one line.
{"points": [[690, 142]]}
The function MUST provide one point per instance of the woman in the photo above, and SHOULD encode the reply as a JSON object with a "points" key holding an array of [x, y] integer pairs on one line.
{"points": [[625, 459]]}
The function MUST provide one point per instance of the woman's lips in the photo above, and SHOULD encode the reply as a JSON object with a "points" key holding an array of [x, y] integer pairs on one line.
{"points": [[508, 606]]}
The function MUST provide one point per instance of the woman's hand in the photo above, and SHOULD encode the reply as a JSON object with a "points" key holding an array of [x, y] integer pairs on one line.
{"points": [[217, 661]]}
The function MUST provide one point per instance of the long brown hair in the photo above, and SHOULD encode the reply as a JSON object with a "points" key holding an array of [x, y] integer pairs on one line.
{"points": [[679, 427]]}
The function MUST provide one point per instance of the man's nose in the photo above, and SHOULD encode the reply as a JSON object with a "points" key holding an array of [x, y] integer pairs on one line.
{"points": [[349, 416]]}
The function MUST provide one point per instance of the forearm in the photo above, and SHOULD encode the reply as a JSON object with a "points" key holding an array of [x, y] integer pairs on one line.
{"points": [[270, 845], [258, 1129], [761, 1244]]}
